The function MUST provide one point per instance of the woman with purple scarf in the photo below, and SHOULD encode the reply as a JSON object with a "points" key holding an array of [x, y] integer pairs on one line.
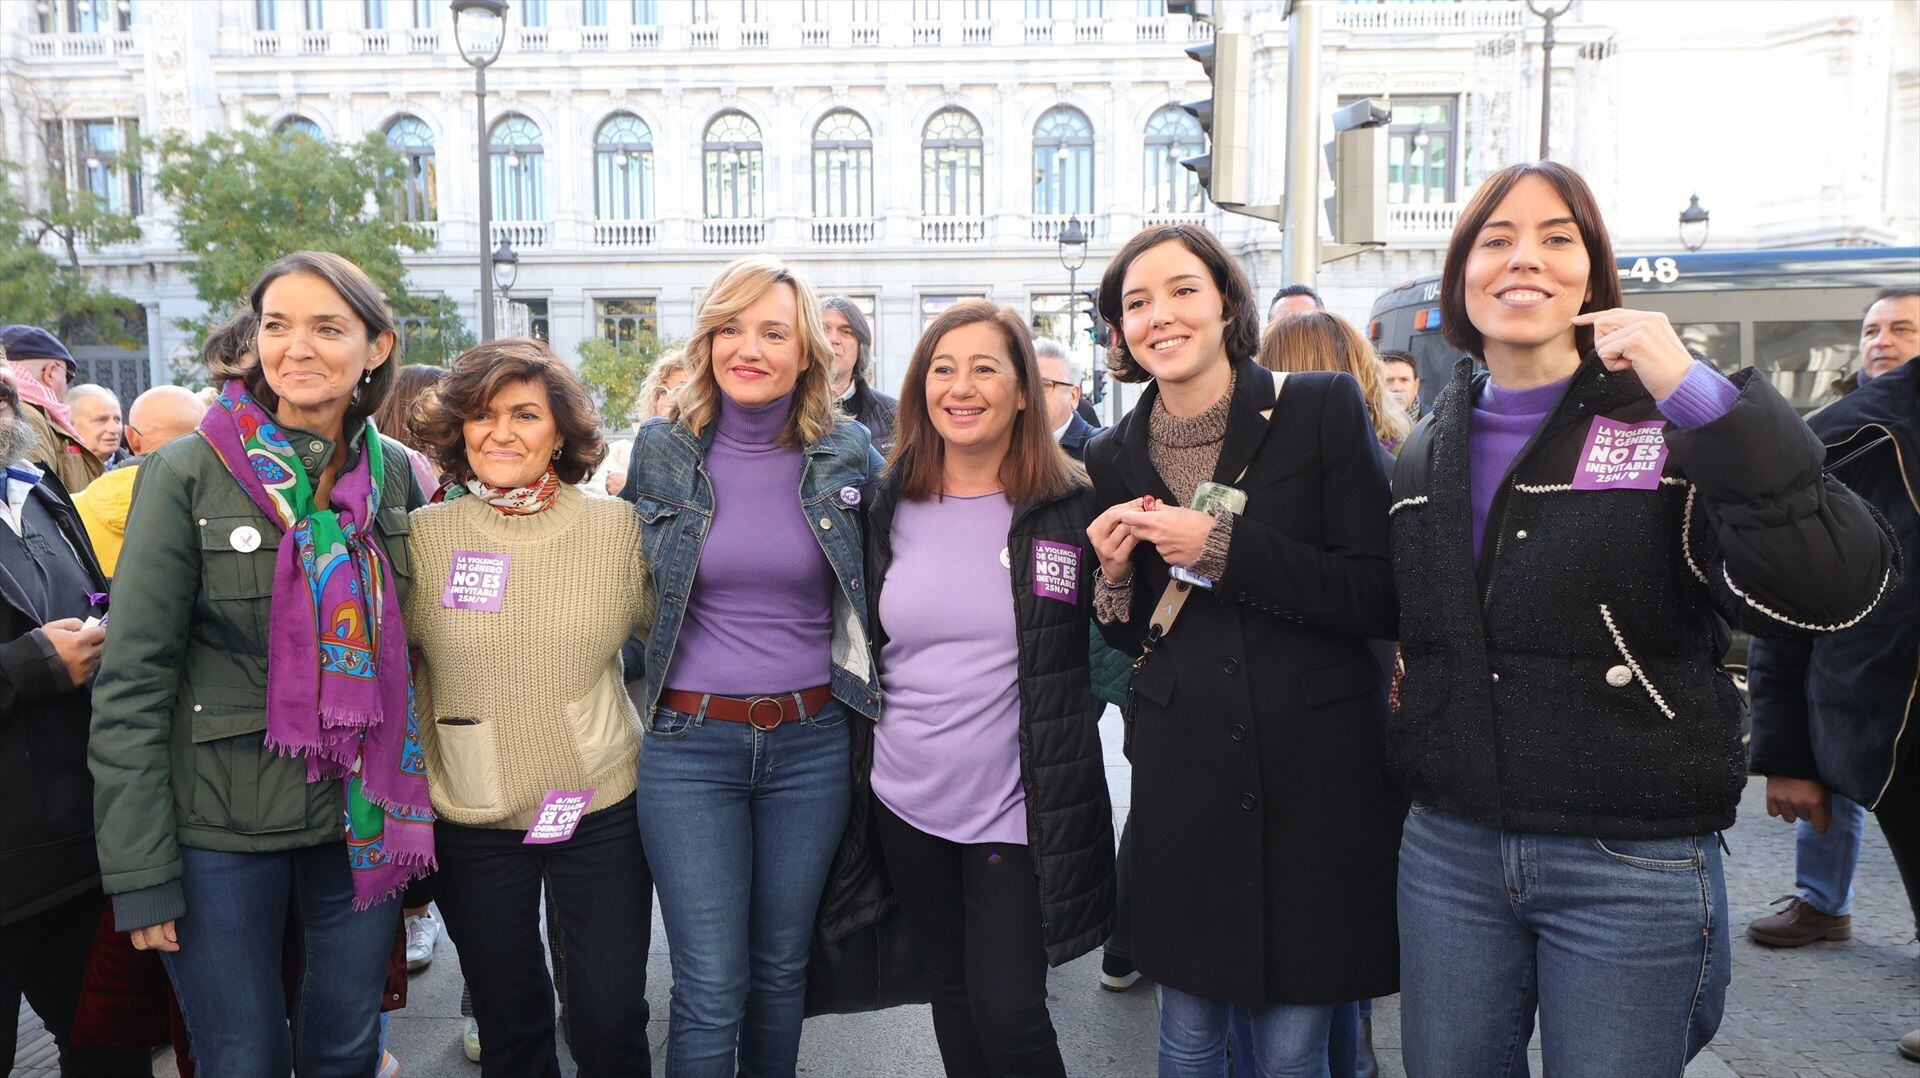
{"points": [[253, 747]]}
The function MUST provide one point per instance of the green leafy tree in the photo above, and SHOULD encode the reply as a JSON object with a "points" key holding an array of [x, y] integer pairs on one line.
{"points": [[614, 373], [246, 197], [38, 289]]}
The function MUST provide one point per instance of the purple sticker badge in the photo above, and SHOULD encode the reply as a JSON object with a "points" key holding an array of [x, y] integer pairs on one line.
{"points": [[559, 814], [1056, 571], [1621, 456], [478, 581]]}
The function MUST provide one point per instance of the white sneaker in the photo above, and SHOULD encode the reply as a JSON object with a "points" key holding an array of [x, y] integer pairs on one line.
{"points": [[470, 1041], [423, 932]]}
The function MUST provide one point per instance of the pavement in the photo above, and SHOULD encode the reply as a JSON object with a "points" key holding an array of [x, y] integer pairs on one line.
{"points": [[1830, 1009]]}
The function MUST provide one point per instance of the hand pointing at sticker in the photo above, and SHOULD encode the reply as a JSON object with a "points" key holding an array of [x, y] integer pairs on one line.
{"points": [[1642, 340]]}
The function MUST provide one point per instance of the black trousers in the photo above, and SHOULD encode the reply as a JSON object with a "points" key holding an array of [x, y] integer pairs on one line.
{"points": [[974, 912], [44, 957], [1899, 815], [488, 887]]}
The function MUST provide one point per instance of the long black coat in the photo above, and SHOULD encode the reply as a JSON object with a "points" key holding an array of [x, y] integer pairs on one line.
{"points": [[1265, 835]]}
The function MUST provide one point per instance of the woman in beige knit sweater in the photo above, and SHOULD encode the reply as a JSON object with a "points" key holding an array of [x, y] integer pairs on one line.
{"points": [[526, 592]]}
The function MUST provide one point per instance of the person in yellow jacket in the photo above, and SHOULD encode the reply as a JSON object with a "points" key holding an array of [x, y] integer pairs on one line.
{"points": [[158, 416]]}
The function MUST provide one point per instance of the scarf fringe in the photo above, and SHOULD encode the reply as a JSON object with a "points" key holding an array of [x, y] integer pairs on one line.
{"points": [[418, 864]]}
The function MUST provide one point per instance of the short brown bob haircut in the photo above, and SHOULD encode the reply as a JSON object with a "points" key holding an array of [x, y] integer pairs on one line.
{"points": [[1242, 337], [1035, 468], [362, 297], [476, 376], [1603, 280]]}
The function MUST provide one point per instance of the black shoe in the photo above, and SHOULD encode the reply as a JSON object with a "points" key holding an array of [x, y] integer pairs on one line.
{"points": [[1117, 974]]}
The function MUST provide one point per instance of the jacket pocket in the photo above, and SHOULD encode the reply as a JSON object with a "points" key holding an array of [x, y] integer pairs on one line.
{"points": [[238, 582], [1280, 471], [1629, 669], [1326, 684], [395, 528], [1153, 681], [239, 784], [469, 765], [603, 722], [657, 529]]}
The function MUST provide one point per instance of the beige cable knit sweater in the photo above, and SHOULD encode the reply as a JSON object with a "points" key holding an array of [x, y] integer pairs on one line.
{"points": [[532, 698]]}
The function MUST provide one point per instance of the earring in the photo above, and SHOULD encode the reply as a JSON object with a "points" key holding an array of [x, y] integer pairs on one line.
{"points": [[556, 454], [367, 378]]}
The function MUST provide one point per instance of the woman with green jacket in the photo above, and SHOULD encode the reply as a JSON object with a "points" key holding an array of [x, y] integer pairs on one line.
{"points": [[252, 747]]}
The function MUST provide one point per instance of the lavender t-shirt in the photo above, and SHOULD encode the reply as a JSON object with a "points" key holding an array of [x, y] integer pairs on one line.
{"points": [[946, 754]]}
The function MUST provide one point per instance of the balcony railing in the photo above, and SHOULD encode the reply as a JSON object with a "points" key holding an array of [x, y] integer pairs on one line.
{"points": [[1150, 30], [705, 36], [754, 37], [1414, 17], [264, 43], [524, 235], [1432, 220], [976, 33], [1090, 31], [843, 231], [1039, 31], [423, 39], [814, 35], [534, 38], [866, 33], [1046, 226], [953, 229], [429, 229], [926, 33], [593, 38], [733, 233], [1158, 220], [624, 233], [375, 42], [80, 46], [314, 42], [643, 37]]}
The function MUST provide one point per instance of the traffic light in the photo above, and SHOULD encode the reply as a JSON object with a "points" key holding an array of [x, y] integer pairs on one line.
{"points": [[1228, 61], [1099, 385], [1357, 161], [1094, 325]]}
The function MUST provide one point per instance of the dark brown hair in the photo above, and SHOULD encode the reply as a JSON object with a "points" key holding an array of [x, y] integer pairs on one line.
{"points": [[395, 415], [1242, 338], [476, 376], [1603, 281], [1035, 467], [362, 296], [229, 345]]}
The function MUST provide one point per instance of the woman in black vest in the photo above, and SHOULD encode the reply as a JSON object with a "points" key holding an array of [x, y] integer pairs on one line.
{"points": [[1264, 832], [1568, 527]]}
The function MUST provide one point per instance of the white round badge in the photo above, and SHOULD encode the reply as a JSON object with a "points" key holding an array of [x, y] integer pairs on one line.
{"points": [[245, 539], [1006, 560]]}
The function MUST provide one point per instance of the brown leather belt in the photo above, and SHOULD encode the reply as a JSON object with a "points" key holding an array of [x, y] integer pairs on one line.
{"points": [[759, 712]]}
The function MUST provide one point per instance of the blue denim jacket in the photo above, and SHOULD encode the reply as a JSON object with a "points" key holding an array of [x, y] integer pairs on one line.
{"points": [[673, 494]]}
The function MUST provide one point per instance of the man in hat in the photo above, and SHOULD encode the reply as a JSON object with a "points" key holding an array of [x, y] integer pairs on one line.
{"points": [[42, 370]]}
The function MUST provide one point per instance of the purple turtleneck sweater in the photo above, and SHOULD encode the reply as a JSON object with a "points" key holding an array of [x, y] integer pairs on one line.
{"points": [[760, 616], [1502, 420]]}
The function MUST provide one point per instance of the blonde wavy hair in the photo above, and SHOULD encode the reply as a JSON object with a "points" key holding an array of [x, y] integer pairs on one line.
{"points": [[739, 286], [651, 389], [1324, 341]]}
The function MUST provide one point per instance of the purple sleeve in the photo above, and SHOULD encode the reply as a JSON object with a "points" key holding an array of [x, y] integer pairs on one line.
{"points": [[1703, 396]]}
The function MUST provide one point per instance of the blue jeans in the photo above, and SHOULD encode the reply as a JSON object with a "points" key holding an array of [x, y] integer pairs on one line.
{"points": [[1823, 864], [1620, 944], [227, 970], [1283, 1041], [740, 826]]}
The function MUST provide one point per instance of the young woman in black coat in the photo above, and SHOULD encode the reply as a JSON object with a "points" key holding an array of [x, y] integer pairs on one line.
{"points": [[984, 778], [1570, 525], [1264, 830]]}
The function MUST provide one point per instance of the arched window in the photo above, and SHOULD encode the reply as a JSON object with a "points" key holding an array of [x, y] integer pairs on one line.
{"points": [[1063, 162], [623, 169], [300, 125], [734, 162], [842, 166], [950, 166], [519, 170], [415, 195], [1173, 135]]}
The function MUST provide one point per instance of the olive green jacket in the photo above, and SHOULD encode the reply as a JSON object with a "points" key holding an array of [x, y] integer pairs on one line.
{"points": [[179, 709]]}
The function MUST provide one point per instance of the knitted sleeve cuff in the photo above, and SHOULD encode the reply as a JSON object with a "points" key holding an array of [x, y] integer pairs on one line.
{"points": [[1212, 562], [1112, 603], [149, 906]]}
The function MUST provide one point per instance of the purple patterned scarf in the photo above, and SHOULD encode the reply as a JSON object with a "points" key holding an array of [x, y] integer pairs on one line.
{"points": [[337, 677]]}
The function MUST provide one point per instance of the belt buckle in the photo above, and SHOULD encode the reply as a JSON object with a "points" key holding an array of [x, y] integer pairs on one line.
{"points": [[779, 712]]}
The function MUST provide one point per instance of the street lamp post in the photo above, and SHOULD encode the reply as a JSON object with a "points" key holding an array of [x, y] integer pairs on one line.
{"points": [[1693, 225], [1546, 69], [479, 27], [1073, 255], [506, 270]]}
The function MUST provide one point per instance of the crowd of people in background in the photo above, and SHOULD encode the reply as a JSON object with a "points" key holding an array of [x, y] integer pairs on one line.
{"points": [[1420, 698]]}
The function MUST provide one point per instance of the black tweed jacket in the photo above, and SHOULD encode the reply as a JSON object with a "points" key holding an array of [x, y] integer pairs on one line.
{"points": [[1569, 682]]}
